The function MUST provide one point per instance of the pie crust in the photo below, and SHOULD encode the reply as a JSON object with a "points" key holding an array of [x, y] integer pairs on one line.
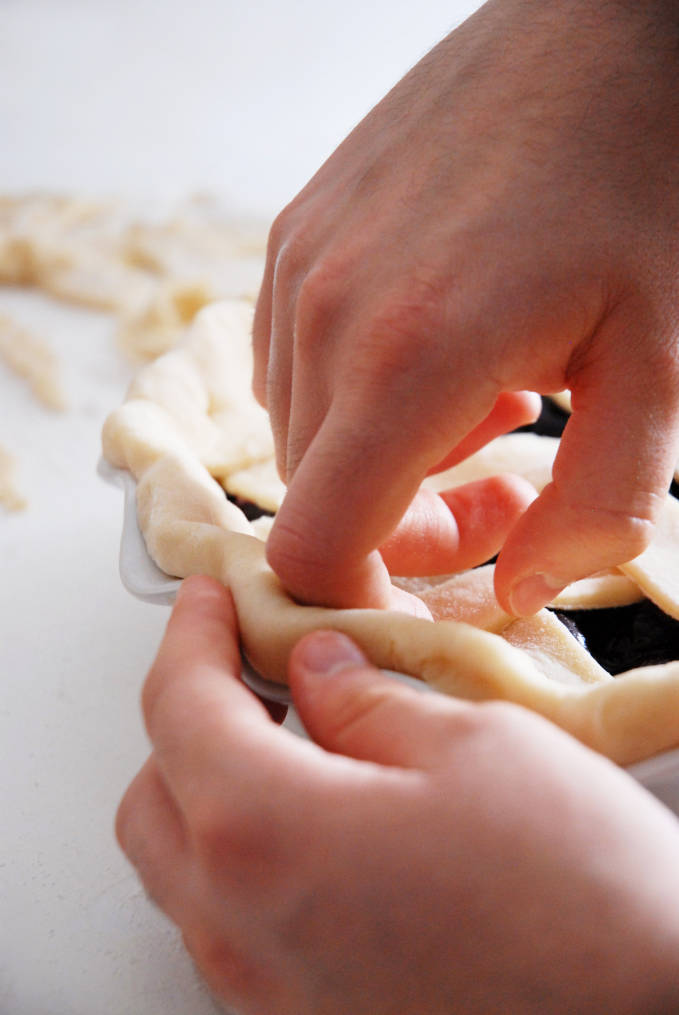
{"points": [[189, 429]]}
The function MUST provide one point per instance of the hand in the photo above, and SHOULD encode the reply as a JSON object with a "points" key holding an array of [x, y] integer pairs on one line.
{"points": [[506, 218], [424, 855]]}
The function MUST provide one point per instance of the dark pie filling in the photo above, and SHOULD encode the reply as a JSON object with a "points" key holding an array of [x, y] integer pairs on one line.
{"points": [[249, 508], [619, 638]]}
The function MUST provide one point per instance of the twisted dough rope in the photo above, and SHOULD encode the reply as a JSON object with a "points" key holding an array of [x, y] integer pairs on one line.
{"points": [[189, 416]]}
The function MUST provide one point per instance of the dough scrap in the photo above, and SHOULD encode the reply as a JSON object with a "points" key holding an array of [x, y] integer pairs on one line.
{"points": [[146, 331], [189, 423], [31, 358], [154, 273], [10, 496]]}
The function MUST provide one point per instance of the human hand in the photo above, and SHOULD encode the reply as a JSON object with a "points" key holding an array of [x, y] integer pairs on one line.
{"points": [[506, 218], [424, 855]]}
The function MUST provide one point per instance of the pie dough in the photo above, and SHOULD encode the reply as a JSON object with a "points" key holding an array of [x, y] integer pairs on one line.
{"points": [[189, 429], [31, 358], [10, 496]]}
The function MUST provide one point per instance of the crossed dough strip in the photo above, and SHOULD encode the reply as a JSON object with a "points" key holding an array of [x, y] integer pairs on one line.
{"points": [[186, 407], [627, 718], [10, 496]]}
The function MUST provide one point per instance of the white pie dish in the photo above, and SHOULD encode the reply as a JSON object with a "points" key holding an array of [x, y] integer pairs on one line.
{"points": [[144, 580]]}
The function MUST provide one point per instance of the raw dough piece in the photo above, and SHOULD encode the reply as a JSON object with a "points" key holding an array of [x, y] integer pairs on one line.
{"points": [[10, 497], [526, 454], [599, 592], [259, 483], [155, 274], [557, 653], [149, 330], [468, 597], [203, 391], [33, 360]]}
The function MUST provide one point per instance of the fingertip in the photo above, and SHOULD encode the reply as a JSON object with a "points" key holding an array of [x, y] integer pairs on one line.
{"points": [[200, 586], [203, 600]]}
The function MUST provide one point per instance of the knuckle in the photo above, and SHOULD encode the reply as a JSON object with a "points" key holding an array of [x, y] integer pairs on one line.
{"points": [[619, 529], [629, 534], [279, 230], [319, 296], [416, 311], [226, 970], [492, 722], [295, 553], [291, 257], [216, 837], [348, 713], [615, 523], [238, 843], [467, 724], [150, 693], [163, 703], [405, 332], [123, 823]]}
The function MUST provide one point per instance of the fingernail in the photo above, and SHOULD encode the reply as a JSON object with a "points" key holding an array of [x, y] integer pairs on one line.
{"points": [[326, 652], [531, 594]]}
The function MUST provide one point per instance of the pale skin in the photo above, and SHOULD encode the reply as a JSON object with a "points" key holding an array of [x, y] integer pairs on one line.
{"points": [[399, 863], [505, 220]]}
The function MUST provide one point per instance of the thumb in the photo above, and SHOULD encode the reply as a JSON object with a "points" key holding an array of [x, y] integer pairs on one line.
{"points": [[350, 707]]}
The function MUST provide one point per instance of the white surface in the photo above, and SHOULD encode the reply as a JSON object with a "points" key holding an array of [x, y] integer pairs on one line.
{"points": [[152, 100]]}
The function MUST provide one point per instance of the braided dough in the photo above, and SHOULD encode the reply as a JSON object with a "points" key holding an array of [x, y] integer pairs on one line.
{"points": [[190, 428]]}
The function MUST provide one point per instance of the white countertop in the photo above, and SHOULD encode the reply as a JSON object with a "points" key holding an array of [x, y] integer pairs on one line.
{"points": [[156, 100]]}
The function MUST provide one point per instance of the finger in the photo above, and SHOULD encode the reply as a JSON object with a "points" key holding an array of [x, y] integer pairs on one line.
{"points": [[610, 476], [456, 529], [150, 832], [280, 365], [308, 409], [202, 632], [349, 707], [511, 410], [211, 735], [349, 492], [261, 328]]}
